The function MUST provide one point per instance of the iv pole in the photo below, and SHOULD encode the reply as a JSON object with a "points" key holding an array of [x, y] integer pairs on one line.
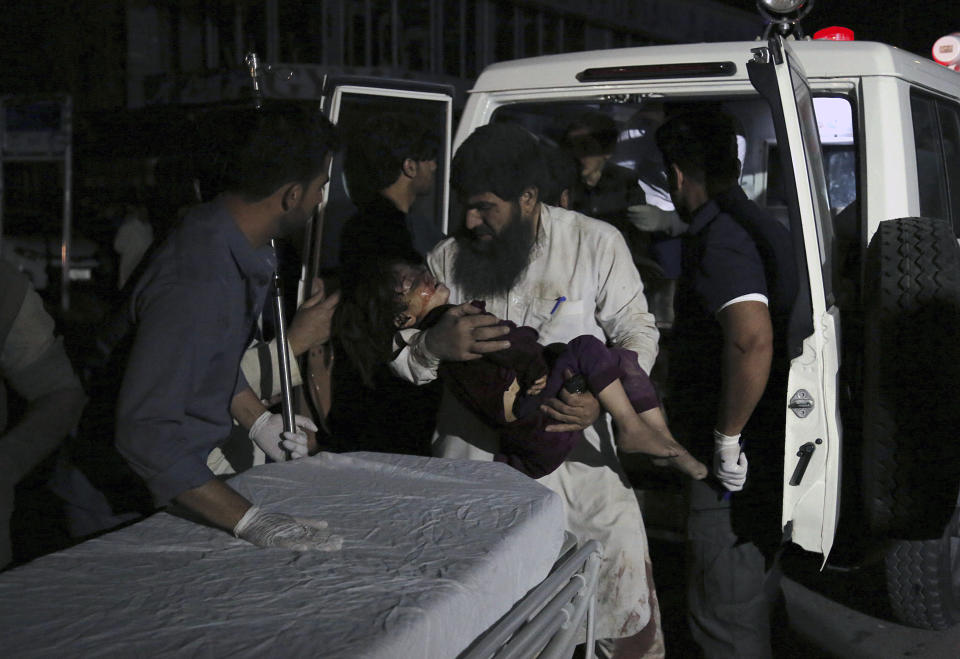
{"points": [[283, 354]]}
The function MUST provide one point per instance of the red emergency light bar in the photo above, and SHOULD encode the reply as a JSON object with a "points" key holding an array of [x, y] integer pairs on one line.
{"points": [[834, 33], [946, 50], [658, 71]]}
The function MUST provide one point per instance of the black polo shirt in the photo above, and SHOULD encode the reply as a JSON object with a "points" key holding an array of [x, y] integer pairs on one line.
{"points": [[734, 251], [721, 264]]}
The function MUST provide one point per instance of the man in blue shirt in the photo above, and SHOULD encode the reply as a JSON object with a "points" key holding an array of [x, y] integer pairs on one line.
{"points": [[194, 311], [728, 376]]}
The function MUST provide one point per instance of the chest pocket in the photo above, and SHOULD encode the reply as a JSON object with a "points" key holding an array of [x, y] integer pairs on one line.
{"points": [[556, 322]]}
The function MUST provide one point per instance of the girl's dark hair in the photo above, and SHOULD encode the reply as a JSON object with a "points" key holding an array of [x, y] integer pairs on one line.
{"points": [[365, 320]]}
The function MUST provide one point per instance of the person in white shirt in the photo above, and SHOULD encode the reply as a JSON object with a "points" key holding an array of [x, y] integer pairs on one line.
{"points": [[565, 275]]}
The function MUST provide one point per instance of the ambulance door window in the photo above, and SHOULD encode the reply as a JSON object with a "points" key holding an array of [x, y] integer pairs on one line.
{"points": [[931, 172], [950, 134]]}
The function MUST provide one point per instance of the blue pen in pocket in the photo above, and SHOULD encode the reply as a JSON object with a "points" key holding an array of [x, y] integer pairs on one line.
{"points": [[560, 300]]}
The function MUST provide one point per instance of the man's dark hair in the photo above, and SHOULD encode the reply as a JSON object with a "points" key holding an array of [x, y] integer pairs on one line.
{"points": [[591, 134], [376, 151], [365, 318], [252, 152], [703, 144], [501, 158], [563, 173]]}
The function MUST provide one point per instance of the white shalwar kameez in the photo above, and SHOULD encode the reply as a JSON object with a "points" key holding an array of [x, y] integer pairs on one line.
{"points": [[588, 263]]}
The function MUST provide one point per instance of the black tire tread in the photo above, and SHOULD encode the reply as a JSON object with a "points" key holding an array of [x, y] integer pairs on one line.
{"points": [[911, 459], [915, 584]]}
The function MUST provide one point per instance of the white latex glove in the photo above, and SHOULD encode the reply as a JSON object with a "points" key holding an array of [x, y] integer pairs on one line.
{"points": [[729, 462], [280, 530], [267, 433], [647, 217]]}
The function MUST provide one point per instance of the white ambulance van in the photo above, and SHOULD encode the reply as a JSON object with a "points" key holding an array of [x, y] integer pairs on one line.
{"points": [[855, 147]]}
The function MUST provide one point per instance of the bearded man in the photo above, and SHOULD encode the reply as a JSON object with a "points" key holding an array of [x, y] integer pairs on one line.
{"points": [[565, 275]]}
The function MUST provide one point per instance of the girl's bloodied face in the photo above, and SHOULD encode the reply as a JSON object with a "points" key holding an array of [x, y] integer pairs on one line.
{"points": [[420, 292]]}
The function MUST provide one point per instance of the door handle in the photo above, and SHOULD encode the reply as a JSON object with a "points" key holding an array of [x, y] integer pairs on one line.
{"points": [[805, 452]]}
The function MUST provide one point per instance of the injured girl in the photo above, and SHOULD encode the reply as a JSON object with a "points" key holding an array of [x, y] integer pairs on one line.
{"points": [[506, 389]]}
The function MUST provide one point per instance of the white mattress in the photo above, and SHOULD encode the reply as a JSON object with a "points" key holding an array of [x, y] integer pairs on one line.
{"points": [[434, 552]]}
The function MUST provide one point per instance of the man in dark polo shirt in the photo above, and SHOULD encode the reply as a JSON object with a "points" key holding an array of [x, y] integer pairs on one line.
{"points": [[728, 378], [194, 311], [389, 164]]}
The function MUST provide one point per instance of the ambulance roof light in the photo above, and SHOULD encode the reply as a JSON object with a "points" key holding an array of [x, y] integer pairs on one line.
{"points": [[946, 51], [834, 33]]}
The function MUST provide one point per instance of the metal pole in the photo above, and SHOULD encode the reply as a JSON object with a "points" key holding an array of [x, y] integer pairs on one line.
{"points": [[286, 383], [283, 356]]}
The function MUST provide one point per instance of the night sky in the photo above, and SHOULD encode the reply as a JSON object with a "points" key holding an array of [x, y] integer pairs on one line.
{"points": [[78, 45], [909, 24]]}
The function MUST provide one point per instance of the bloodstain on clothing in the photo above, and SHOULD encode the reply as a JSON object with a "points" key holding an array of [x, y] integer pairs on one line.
{"points": [[648, 642]]}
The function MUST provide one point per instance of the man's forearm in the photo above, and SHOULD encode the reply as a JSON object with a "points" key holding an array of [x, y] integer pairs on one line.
{"points": [[643, 338], [745, 370], [246, 408], [745, 362], [622, 310], [216, 502]]}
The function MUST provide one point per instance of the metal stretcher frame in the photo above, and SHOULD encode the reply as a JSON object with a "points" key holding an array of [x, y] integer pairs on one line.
{"points": [[546, 620]]}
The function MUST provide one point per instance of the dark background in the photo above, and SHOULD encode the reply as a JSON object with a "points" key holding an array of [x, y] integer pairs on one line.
{"points": [[909, 24], [78, 46]]}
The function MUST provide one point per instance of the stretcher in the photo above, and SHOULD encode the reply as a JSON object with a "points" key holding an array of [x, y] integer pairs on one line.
{"points": [[441, 558]]}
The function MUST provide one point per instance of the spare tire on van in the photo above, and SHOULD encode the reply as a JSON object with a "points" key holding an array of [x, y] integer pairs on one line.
{"points": [[911, 388], [911, 406]]}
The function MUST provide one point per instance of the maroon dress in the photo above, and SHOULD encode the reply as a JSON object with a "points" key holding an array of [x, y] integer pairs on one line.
{"points": [[524, 443]]}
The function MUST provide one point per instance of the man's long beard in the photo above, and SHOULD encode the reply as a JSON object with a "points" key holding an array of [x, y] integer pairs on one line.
{"points": [[484, 269]]}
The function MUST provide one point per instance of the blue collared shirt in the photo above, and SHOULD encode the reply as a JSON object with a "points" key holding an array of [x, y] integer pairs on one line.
{"points": [[194, 311]]}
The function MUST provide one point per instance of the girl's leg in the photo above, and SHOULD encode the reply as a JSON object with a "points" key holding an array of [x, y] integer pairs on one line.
{"points": [[647, 433], [625, 391]]}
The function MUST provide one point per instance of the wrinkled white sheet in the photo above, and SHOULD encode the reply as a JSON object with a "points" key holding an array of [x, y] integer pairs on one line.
{"points": [[434, 552]]}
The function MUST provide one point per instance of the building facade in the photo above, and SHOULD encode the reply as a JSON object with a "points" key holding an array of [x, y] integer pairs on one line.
{"points": [[172, 46]]}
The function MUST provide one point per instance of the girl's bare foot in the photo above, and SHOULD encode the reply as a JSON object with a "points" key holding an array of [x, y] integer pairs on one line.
{"points": [[646, 433], [685, 463], [650, 440]]}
